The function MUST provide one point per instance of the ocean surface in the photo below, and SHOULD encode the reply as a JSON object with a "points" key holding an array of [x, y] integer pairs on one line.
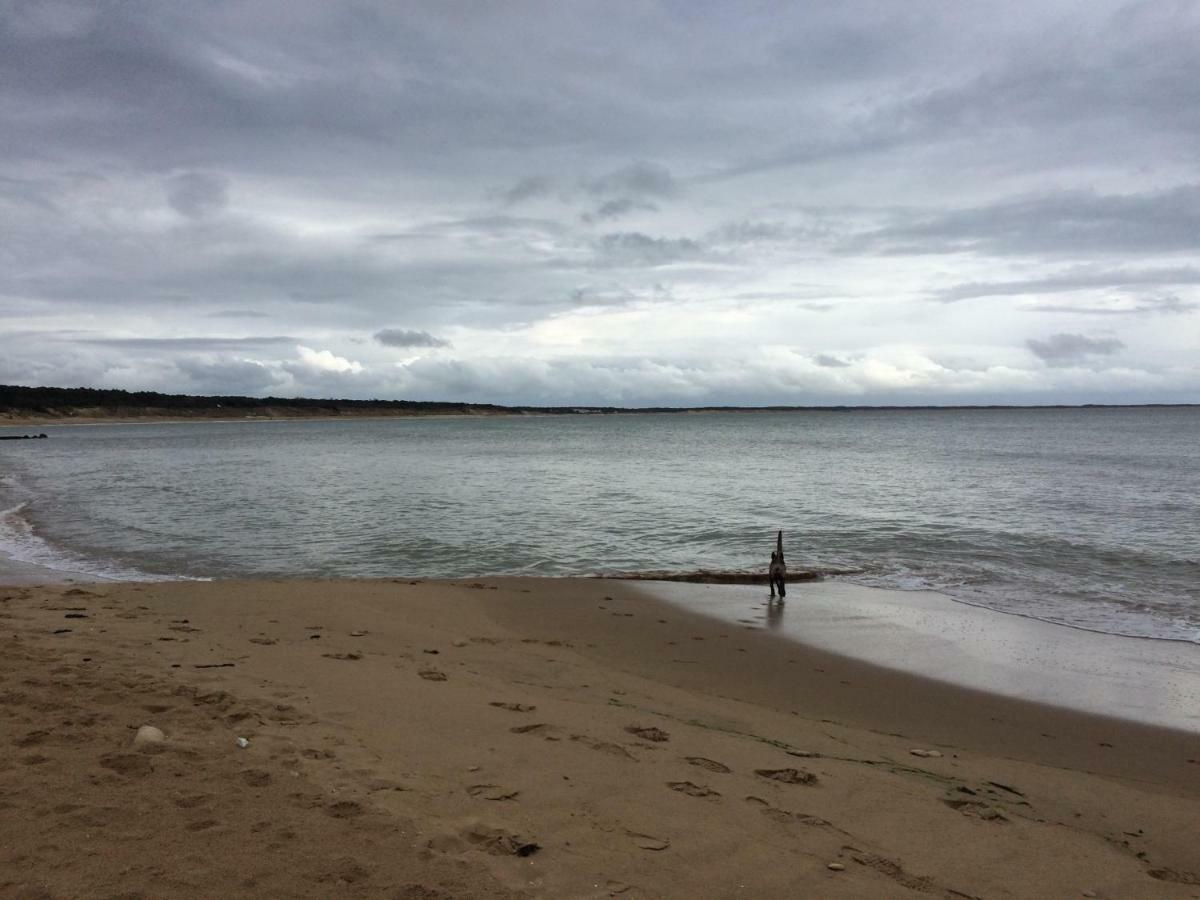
{"points": [[1084, 517]]}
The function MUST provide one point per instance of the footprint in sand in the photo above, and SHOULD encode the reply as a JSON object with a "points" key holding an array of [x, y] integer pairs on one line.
{"points": [[345, 870], [648, 733], [432, 675], [648, 841], [131, 764], [491, 792], [710, 764], [31, 739], [693, 790], [774, 813], [498, 842], [787, 776], [344, 809], [602, 746], [782, 816], [255, 777], [512, 707]]}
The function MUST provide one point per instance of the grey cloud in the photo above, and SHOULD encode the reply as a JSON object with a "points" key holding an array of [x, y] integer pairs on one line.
{"points": [[369, 148], [237, 314], [639, 180], [748, 232], [197, 194], [615, 209], [637, 249], [1066, 222], [527, 189], [1026, 98], [189, 343], [830, 362], [228, 377], [1068, 349], [1075, 279], [1162, 304], [398, 337]]}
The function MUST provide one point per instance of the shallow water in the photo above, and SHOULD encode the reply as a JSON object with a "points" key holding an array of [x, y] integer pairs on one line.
{"points": [[1082, 516]]}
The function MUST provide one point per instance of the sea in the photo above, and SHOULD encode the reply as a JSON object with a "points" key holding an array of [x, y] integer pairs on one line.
{"points": [[1087, 517]]}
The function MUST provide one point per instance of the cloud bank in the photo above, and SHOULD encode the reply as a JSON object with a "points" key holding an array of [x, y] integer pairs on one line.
{"points": [[646, 205]]}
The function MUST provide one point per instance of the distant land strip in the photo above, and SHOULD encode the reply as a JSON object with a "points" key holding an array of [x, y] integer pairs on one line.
{"points": [[46, 404]]}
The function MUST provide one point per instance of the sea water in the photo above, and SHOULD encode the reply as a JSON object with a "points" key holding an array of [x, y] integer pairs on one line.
{"points": [[1087, 517]]}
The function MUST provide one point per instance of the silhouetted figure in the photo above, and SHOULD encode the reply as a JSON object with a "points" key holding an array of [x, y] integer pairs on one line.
{"points": [[777, 573]]}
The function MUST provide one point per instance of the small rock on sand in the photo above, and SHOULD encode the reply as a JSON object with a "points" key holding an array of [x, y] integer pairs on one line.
{"points": [[836, 867], [926, 754], [148, 734]]}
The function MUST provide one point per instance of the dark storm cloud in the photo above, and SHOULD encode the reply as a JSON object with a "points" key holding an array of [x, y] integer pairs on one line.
{"points": [[399, 337], [1069, 349], [1076, 279]]}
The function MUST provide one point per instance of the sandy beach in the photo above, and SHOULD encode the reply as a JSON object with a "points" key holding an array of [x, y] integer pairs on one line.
{"points": [[541, 738]]}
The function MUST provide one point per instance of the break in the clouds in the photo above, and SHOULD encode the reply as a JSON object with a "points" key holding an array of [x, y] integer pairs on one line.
{"points": [[649, 204]]}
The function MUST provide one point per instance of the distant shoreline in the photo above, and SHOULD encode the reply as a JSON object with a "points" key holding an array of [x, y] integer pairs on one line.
{"points": [[62, 406]]}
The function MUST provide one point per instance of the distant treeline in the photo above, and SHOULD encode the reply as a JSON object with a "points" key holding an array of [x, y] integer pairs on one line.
{"points": [[52, 402]]}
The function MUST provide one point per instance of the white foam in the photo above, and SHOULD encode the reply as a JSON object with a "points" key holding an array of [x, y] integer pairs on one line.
{"points": [[19, 541]]}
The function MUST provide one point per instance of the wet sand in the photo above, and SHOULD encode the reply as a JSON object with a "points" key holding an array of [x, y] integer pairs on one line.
{"points": [[924, 633], [541, 738]]}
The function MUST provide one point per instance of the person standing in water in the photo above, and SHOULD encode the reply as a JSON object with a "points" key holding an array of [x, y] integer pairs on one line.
{"points": [[777, 573]]}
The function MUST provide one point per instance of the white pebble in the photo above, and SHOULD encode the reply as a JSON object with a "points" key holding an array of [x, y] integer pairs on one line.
{"points": [[148, 734], [927, 754], [243, 743], [836, 867]]}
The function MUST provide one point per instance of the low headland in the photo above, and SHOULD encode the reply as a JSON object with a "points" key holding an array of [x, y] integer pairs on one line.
{"points": [[548, 738]]}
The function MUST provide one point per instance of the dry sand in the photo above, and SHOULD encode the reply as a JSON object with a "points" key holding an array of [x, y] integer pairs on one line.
{"points": [[540, 738]]}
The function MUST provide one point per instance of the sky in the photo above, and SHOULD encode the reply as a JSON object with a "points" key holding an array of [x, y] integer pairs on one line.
{"points": [[597, 203]]}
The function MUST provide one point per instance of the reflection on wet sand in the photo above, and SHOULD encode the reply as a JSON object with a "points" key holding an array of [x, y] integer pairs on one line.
{"points": [[774, 612]]}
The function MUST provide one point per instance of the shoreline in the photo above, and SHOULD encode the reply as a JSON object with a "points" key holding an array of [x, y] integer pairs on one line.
{"points": [[1153, 681], [18, 421], [420, 733]]}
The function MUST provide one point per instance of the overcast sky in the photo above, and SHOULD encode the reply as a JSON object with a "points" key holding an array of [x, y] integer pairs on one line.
{"points": [[604, 203]]}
